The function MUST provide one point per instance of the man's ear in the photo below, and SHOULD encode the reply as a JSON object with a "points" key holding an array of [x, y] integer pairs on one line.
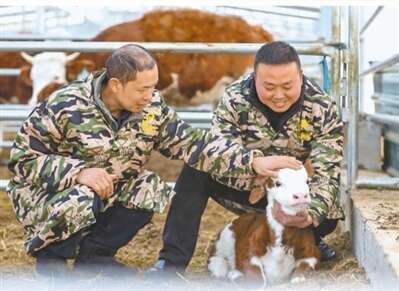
{"points": [[115, 84], [309, 168], [260, 190]]}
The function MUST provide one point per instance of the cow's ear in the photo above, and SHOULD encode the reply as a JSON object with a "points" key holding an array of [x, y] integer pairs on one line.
{"points": [[257, 194], [260, 190], [309, 168], [74, 68], [24, 75]]}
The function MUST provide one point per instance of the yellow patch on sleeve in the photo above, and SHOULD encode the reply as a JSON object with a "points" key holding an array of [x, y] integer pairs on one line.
{"points": [[147, 124]]}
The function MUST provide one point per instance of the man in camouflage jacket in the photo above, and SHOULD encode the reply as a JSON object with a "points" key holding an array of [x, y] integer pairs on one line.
{"points": [[78, 161], [280, 112]]}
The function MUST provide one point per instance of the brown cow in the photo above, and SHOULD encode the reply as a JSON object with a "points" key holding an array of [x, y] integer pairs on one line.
{"points": [[196, 72], [9, 84]]}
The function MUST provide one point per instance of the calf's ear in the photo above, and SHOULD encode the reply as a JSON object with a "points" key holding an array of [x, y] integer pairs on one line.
{"points": [[256, 194], [260, 189]]}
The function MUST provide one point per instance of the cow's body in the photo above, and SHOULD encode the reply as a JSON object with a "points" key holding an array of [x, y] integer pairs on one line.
{"points": [[256, 246]]}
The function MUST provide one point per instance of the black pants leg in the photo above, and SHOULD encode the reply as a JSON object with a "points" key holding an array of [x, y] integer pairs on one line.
{"points": [[324, 228], [67, 249], [114, 228]]}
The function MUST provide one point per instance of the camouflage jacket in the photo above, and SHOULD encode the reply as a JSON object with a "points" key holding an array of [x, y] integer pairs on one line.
{"points": [[73, 130], [312, 133]]}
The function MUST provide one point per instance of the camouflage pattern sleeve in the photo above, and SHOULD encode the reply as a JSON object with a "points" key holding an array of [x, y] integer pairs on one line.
{"points": [[201, 149], [326, 157], [34, 157], [227, 135]]}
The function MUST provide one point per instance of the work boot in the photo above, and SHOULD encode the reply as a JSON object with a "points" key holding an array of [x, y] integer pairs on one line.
{"points": [[163, 269], [97, 265], [50, 265], [327, 253]]}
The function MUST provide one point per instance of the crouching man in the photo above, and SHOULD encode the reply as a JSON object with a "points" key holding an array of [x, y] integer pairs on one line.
{"points": [[79, 188], [279, 111]]}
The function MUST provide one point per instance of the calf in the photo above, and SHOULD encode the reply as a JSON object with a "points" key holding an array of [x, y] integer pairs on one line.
{"points": [[255, 245]]}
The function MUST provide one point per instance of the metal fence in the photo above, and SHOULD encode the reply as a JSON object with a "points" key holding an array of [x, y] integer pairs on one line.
{"points": [[343, 53]]}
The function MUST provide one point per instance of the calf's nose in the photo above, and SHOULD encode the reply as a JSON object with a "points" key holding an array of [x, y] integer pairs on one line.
{"points": [[300, 198]]}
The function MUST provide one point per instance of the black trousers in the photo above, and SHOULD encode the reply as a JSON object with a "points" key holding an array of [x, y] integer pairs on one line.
{"points": [[113, 229], [193, 188]]}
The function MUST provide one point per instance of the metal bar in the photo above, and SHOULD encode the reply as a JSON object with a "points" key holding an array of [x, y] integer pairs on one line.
{"points": [[98, 47], [302, 8], [3, 184], [40, 37], [378, 182], [5, 144], [381, 66], [270, 12], [383, 98], [336, 58], [371, 19], [383, 118], [10, 72], [353, 94], [34, 11]]}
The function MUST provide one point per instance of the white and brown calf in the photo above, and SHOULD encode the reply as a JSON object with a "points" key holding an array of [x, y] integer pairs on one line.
{"points": [[257, 246]]}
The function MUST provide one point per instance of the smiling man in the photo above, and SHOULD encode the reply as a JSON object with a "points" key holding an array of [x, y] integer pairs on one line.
{"points": [[79, 187], [280, 112]]}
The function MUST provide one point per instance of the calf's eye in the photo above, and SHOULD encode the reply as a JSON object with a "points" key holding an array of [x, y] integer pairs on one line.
{"points": [[278, 184]]}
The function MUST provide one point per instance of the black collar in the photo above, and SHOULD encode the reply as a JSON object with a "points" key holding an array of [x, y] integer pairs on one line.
{"points": [[276, 119]]}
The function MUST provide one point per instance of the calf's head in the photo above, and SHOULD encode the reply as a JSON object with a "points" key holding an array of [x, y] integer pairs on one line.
{"points": [[290, 188]]}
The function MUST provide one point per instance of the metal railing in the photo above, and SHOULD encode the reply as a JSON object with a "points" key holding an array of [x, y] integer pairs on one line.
{"points": [[15, 114], [156, 47], [353, 94], [383, 119]]}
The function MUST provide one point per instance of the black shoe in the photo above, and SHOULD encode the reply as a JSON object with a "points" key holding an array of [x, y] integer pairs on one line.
{"points": [[163, 268], [49, 265], [327, 253], [105, 266]]}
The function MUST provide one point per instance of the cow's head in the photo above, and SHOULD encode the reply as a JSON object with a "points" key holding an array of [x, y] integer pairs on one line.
{"points": [[45, 68], [290, 188]]}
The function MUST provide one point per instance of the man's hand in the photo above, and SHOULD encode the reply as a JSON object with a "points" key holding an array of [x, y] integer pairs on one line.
{"points": [[97, 179], [301, 220], [268, 166]]}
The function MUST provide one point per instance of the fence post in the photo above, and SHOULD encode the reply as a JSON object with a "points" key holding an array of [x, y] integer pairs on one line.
{"points": [[353, 94]]}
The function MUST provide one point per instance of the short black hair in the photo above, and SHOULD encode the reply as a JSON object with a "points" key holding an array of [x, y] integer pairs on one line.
{"points": [[126, 61], [276, 53]]}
